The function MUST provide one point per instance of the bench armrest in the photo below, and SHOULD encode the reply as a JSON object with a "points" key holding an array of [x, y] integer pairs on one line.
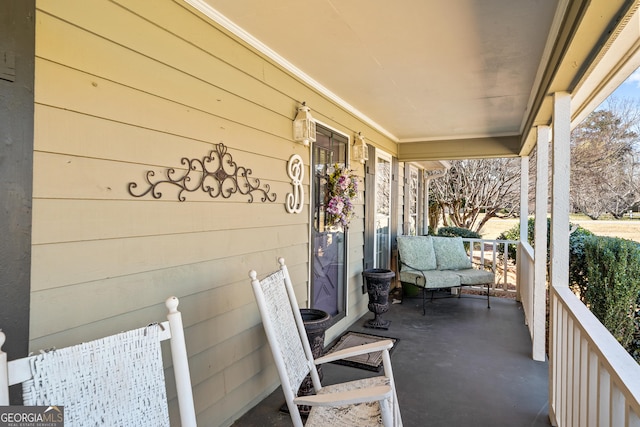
{"points": [[424, 278]]}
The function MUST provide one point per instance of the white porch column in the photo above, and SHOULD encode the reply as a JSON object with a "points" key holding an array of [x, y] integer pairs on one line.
{"points": [[427, 179], [425, 211], [524, 208], [540, 239], [524, 197], [560, 190], [559, 274]]}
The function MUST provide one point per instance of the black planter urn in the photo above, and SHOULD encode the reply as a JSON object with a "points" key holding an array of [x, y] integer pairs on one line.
{"points": [[316, 323], [378, 282]]}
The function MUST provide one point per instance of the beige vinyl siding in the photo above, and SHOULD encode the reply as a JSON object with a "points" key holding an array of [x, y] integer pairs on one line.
{"points": [[124, 87]]}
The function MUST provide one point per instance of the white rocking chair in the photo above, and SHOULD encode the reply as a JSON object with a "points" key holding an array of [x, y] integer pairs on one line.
{"points": [[112, 381], [365, 402]]}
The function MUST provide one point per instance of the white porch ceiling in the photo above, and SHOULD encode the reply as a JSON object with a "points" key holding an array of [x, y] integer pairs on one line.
{"points": [[431, 70]]}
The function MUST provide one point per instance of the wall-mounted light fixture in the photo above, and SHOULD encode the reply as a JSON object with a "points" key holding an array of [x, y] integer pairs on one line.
{"points": [[360, 151], [304, 126]]}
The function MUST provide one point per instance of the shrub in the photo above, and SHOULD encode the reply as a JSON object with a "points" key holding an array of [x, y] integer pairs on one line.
{"points": [[605, 274], [613, 291], [577, 262], [635, 344], [576, 239], [458, 232], [514, 234]]}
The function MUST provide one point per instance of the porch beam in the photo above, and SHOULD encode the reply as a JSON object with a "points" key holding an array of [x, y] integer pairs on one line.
{"points": [[470, 148]]}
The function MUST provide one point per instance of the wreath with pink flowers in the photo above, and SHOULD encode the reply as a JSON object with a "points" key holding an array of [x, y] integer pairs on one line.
{"points": [[342, 188]]}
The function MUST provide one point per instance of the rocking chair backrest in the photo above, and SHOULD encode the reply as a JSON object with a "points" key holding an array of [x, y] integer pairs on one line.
{"points": [[116, 380], [284, 329]]}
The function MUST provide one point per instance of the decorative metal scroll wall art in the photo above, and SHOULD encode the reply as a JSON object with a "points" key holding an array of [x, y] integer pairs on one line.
{"points": [[216, 174], [295, 170]]}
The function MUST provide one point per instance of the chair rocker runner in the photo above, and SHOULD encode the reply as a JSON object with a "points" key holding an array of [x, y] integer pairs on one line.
{"points": [[112, 381], [369, 401]]}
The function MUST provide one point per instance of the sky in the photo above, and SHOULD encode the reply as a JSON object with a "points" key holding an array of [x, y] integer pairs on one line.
{"points": [[630, 88]]}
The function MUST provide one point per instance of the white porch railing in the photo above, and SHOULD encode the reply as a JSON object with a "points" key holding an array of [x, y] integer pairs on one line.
{"points": [[495, 254], [593, 380]]}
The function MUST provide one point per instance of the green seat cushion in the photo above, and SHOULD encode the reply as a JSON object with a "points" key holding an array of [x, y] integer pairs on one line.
{"points": [[435, 279], [472, 276], [416, 252], [450, 253]]}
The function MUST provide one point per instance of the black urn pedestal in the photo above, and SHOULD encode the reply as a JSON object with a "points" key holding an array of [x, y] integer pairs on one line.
{"points": [[316, 323], [378, 282]]}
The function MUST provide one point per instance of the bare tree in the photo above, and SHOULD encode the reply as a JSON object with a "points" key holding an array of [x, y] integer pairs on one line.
{"points": [[473, 187], [605, 173]]}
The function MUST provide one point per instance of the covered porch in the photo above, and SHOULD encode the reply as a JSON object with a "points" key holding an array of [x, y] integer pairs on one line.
{"points": [[459, 365], [108, 93]]}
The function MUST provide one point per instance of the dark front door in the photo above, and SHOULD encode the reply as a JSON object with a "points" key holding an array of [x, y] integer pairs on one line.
{"points": [[328, 263]]}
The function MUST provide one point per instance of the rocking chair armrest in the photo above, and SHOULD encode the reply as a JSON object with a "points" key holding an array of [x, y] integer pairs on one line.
{"points": [[342, 398], [355, 351]]}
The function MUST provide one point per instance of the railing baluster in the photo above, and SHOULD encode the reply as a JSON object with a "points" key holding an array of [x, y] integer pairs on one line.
{"points": [[581, 417], [499, 259], [594, 381], [592, 402], [577, 377], [494, 263], [618, 413], [604, 399], [506, 266]]}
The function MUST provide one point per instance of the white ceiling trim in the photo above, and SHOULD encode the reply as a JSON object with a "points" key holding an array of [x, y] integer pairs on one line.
{"points": [[461, 136], [219, 18], [618, 59], [561, 10]]}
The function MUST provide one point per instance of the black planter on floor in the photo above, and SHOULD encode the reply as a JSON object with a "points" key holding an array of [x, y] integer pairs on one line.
{"points": [[378, 282], [316, 323]]}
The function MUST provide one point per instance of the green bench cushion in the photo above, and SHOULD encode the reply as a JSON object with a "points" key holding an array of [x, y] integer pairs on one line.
{"points": [[450, 253], [435, 278], [417, 252], [472, 276]]}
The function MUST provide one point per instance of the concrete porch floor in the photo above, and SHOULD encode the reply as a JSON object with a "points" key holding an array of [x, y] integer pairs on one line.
{"points": [[459, 365]]}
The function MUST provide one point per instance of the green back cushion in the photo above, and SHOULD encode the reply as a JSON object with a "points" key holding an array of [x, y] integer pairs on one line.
{"points": [[450, 253], [417, 252]]}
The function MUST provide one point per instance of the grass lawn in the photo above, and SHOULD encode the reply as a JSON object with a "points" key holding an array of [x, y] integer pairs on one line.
{"points": [[626, 229]]}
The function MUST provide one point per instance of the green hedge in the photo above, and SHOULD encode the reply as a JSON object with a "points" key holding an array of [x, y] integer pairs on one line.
{"points": [[578, 262], [575, 243], [613, 287], [514, 234], [458, 232], [604, 272]]}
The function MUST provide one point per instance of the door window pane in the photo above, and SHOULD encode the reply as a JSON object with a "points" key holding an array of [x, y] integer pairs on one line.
{"points": [[383, 212], [413, 201], [328, 279]]}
